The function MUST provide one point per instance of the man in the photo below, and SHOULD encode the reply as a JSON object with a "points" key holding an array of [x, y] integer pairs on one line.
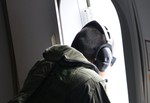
{"points": [[70, 74]]}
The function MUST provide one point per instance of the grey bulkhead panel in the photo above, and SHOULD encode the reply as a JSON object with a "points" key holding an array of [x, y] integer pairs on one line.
{"points": [[134, 18], [34, 28]]}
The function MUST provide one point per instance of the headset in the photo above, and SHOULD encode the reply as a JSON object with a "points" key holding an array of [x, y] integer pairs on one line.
{"points": [[104, 56]]}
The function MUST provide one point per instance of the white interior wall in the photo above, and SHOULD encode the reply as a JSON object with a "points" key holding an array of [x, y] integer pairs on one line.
{"points": [[70, 19]]}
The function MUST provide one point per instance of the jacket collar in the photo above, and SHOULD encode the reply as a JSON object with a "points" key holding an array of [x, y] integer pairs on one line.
{"points": [[67, 56]]}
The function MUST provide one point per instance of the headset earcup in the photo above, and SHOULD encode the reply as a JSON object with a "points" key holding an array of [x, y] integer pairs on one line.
{"points": [[103, 58]]}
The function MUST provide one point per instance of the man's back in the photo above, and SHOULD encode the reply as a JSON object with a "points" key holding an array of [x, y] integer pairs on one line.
{"points": [[70, 78], [76, 85]]}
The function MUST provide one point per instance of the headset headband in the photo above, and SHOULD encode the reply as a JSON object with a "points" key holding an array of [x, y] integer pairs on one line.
{"points": [[102, 29], [107, 35]]}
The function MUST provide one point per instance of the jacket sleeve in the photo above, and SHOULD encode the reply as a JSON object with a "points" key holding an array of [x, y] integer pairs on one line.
{"points": [[89, 92], [35, 77]]}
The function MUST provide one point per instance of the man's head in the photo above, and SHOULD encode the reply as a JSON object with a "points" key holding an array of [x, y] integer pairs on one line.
{"points": [[92, 42]]}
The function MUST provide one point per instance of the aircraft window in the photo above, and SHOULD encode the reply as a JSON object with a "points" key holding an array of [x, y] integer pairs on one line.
{"points": [[78, 14]]}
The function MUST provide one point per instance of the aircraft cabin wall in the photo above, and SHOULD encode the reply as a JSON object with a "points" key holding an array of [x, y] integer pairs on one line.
{"points": [[32, 25], [6, 82], [32, 28], [134, 17], [144, 19]]}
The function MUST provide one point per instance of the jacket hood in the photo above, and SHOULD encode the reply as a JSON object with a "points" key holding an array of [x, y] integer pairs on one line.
{"points": [[67, 56]]}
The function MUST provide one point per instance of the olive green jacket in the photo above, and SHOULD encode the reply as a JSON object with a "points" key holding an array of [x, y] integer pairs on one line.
{"points": [[63, 76]]}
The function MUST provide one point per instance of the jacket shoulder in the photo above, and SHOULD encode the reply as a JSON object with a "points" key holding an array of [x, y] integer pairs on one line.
{"points": [[87, 87], [86, 73]]}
